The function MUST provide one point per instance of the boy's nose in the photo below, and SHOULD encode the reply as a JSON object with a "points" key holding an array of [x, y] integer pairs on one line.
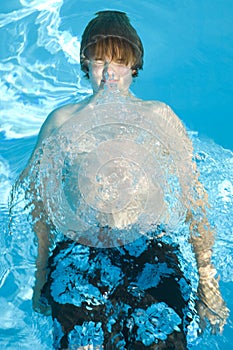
{"points": [[109, 70]]}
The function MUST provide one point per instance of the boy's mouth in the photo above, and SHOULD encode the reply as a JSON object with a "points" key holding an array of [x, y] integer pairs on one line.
{"points": [[111, 81], [109, 78]]}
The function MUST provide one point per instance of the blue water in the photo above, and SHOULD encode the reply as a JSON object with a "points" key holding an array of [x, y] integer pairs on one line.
{"points": [[188, 65]]}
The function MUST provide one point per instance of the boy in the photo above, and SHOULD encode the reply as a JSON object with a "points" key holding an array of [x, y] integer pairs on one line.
{"points": [[91, 308]]}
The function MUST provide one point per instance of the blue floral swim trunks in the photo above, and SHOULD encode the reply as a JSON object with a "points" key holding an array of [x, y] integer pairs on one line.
{"points": [[130, 297]]}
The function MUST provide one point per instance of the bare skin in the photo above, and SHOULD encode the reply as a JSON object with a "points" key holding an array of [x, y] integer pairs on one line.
{"points": [[211, 305]]}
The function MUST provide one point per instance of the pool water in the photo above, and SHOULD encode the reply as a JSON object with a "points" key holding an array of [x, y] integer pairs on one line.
{"points": [[188, 65]]}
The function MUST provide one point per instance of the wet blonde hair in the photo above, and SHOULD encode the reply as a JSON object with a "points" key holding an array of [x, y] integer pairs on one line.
{"points": [[110, 35]]}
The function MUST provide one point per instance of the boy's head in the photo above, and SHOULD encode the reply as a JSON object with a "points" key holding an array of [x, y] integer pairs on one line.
{"points": [[110, 35]]}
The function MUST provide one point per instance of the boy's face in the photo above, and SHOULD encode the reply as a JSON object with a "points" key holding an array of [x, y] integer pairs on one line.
{"points": [[102, 72]]}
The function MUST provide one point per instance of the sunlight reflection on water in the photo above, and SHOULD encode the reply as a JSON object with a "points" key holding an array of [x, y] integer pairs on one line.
{"points": [[39, 66]]}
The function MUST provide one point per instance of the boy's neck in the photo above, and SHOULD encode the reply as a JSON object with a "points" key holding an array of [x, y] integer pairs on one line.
{"points": [[111, 94], [110, 91]]}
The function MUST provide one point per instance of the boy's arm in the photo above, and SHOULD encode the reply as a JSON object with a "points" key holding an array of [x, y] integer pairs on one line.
{"points": [[44, 231], [41, 226], [210, 305], [44, 242]]}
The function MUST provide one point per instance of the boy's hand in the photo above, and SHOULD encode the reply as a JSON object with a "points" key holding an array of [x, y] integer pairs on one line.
{"points": [[211, 305], [40, 304]]}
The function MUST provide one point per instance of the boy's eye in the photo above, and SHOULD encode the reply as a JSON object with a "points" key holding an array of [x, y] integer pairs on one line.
{"points": [[98, 62], [119, 61]]}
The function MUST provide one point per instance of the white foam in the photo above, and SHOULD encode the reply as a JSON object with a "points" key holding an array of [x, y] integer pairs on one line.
{"points": [[5, 184], [38, 73], [225, 189], [12, 317]]}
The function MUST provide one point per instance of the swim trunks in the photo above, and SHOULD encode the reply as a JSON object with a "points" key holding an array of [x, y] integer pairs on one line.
{"points": [[130, 297]]}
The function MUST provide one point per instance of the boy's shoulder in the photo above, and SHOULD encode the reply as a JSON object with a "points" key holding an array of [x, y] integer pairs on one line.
{"points": [[161, 108], [156, 105], [63, 113], [58, 117], [162, 112]]}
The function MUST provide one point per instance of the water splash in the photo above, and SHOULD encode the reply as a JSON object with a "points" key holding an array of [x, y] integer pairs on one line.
{"points": [[116, 169]]}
